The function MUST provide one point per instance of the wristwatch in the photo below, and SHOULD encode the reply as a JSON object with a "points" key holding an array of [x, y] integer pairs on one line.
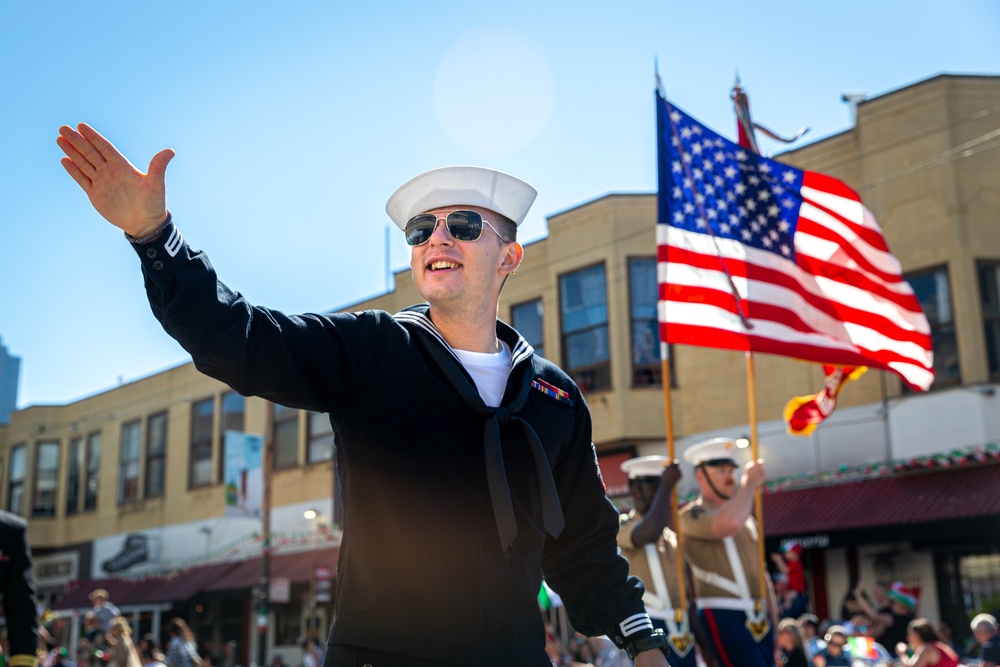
{"points": [[655, 640]]}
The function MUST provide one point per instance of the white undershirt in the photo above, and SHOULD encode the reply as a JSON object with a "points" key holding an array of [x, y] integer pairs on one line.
{"points": [[489, 371]]}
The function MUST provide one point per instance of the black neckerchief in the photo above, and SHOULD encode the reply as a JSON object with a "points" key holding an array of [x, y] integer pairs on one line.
{"points": [[495, 419]]}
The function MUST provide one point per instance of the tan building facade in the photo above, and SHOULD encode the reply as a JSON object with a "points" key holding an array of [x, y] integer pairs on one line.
{"points": [[148, 458]]}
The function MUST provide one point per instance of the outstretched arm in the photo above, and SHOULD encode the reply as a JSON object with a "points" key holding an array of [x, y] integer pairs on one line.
{"points": [[733, 513], [127, 198], [659, 515]]}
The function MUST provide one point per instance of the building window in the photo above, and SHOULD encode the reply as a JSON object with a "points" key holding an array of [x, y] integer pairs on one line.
{"points": [[934, 293], [156, 453], [989, 295], [46, 478], [584, 304], [320, 438], [645, 327], [200, 468], [74, 481], [286, 437], [128, 466], [18, 469], [527, 319], [93, 471], [233, 412]]}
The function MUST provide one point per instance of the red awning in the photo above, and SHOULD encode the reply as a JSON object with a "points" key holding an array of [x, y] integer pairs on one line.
{"points": [[147, 590], [296, 567], [943, 495], [231, 575]]}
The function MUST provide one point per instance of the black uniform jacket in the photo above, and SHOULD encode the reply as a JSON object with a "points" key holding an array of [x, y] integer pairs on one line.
{"points": [[18, 587], [421, 569]]}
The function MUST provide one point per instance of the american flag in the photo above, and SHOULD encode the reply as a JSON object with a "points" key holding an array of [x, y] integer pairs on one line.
{"points": [[815, 278]]}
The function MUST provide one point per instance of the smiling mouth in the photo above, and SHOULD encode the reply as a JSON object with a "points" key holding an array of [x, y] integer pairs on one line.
{"points": [[442, 264]]}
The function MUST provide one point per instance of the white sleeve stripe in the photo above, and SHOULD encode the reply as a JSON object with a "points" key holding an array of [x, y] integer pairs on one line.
{"points": [[636, 623], [173, 244]]}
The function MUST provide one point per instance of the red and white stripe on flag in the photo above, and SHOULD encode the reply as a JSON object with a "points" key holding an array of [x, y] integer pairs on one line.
{"points": [[834, 294]]}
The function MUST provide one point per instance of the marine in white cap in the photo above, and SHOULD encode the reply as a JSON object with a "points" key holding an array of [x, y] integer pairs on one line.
{"points": [[647, 541], [720, 545], [465, 461]]}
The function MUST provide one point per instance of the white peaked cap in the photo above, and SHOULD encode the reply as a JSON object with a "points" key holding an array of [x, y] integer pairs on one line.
{"points": [[710, 452], [645, 466], [461, 186]]}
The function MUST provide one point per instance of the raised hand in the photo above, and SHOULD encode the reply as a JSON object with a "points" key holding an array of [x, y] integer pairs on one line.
{"points": [[127, 198]]}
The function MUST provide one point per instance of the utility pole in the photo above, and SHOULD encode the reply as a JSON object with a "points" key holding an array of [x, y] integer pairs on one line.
{"points": [[264, 587]]}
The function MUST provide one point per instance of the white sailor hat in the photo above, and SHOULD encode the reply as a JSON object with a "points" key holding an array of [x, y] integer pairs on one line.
{"points": [[456, 186], [645, 466], [717, 451]]}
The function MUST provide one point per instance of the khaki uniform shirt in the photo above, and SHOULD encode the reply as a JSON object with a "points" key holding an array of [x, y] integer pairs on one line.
{"points": [[659, 603], [709, 557]]}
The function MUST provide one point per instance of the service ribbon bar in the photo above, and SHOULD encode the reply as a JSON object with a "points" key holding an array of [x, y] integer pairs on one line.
{"points": [[554, 392]]}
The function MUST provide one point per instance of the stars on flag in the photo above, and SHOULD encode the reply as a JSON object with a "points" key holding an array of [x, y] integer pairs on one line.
{"points": [[738, 194]]}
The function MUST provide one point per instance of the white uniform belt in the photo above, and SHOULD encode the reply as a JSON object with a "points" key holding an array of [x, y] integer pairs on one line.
{"points": [[736, 604]]}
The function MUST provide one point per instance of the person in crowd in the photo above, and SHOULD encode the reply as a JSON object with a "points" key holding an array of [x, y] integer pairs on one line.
{"points": [[720, 544], [151, 655], [984, 629], [789, 562], [277, 661], [649, 544], [466, 458], [93, 630], [835, 653], [20, 597], [791, 651], [53, 630], [809, 625], [121, 649], [889, 624], [310, 656], [182, 651], [103, 610], [926, 647], [861, 644]]}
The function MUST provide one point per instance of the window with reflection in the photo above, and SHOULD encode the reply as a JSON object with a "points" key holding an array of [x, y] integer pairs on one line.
{"points": [[286, 437], [128, 465], [15, 486], [933, 290], [321, 440], [74, 475], [233, 417], [527, 319], [92, 485], [200, 465], [584, 310], [46, 480], [989, 295], [645, 328], [156, 454]]}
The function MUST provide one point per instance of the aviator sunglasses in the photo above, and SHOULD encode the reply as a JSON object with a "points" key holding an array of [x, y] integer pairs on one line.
{"points": [[462, 225]]}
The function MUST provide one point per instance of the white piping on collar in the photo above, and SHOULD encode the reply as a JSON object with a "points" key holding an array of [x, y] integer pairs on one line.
{"points": [[521, 351]]}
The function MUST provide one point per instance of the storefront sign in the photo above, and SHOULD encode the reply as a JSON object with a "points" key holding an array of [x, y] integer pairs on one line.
{"points": [[811, 541], [56, 570], [280, 590], [322, 584]]}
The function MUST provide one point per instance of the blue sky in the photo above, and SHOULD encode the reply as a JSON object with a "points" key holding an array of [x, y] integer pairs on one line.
{"points": [[293, 122]]}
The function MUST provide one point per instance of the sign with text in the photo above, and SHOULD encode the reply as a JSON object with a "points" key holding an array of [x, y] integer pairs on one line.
{"points": [[244, 474]]}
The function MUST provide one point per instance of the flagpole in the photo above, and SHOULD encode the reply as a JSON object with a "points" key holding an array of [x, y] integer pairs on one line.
{"points": [[745, 124], [758, 504], [682, 601]]}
